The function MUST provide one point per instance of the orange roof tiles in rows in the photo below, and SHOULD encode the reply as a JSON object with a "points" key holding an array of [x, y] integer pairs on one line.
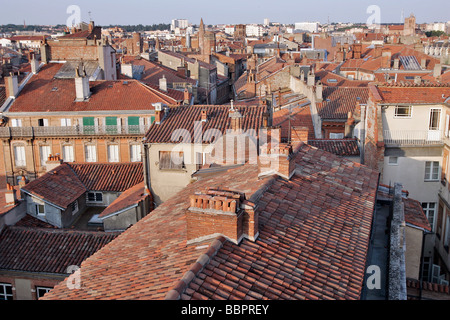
{"points": [[339, 101], [414, 93], [314, 233], [69, 181], [184, 117], [46, 250], [340, 147], [109, 176], [43, 93]]}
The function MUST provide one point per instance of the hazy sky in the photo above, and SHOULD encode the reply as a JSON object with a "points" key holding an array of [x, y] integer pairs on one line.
{"points": [[105, 12]]}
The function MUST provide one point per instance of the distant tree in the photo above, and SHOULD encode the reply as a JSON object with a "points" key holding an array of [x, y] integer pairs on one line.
{"points": [[434, 33]]}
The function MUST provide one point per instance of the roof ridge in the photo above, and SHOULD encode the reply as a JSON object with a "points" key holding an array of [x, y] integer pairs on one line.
{"points": [[61, 230], [176, 292]]}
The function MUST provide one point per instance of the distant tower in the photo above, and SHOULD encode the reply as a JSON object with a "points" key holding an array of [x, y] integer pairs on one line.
{"points": [[402, 17], [206, 42], [409, 28], [201, 36]]}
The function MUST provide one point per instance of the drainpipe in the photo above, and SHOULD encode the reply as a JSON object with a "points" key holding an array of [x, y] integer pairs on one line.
{"points": [[425, 233], [146, 175]]}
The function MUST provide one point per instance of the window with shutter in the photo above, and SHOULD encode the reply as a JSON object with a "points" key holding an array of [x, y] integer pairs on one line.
{"points": [[45, 151], [135, 152], [171, 160], [111, 125], [113, 153], [19, 156], [68, 155], [90, 153], [133, 124], [88, 125]]}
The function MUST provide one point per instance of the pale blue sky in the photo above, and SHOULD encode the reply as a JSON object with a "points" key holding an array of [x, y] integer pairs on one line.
{"points": [[105, 12]]}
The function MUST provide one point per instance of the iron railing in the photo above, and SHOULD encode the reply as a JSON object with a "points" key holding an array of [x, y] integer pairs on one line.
{"points": [[413, 137], [73, 131]]}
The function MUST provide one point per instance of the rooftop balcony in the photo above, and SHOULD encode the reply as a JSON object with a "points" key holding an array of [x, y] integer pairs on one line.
{"points": [[113, 130], [399, 138]]}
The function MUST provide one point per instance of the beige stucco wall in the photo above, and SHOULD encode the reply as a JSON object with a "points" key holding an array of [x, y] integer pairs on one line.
{"points": [[413, 251], [410, 172], [419, 119], [166, 183]]}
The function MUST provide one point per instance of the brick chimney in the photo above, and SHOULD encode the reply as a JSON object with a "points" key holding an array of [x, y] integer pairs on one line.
{"points": [[159, 112], [91, 26], [11, 85], [236, 118], [377, 51], [221, 212], [357, 50], [349, 125], [186, 97], [299, 134], [10, 195], [204, 115], [386, 59], [277, 159], [52, 162]]}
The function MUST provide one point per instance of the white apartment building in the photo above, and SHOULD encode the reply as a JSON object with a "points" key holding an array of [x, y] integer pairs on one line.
{"points": [[307, 26], [254, 30]]}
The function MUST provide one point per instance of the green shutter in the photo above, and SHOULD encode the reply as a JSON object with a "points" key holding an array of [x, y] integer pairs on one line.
{"points": [[152, 119], [111, 124], [88, 125], [133, 124]]}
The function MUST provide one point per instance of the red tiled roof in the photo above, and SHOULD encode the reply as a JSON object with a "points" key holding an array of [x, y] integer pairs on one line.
{"points": [[43, 93], [31, 222], [411, 93], [108, 176], [61, 186], [331, 79], [2, 95], [341, 101], [130, 197], [340, 147], [154, 71], [369, 62], [300, 117], [434, 288], [314, 234], [183, 117], [86, 34], [414, 214], [67, 182], [47, 250]]}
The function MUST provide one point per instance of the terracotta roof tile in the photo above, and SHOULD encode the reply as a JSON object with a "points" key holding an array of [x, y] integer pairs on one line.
{"points": [[313, 241], [340, 147], [47, 250], [108, 176], [338, 101], [412, 93], [129, 197], [183, 117], [43, 93], [60, 186]]}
